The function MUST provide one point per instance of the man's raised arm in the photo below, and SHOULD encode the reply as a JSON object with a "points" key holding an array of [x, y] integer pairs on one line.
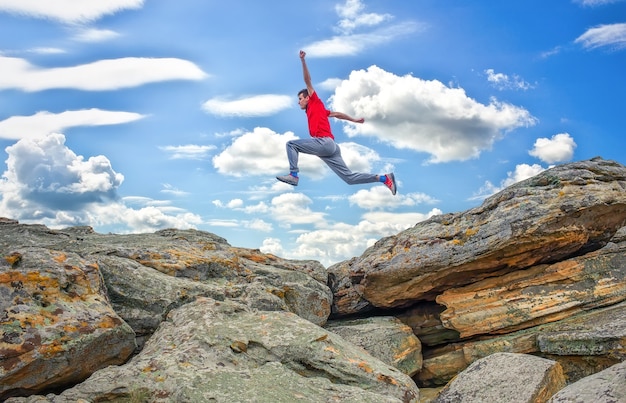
{"points": [[306, 74]]}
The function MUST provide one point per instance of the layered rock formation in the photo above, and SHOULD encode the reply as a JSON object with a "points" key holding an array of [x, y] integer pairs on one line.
{"points": [[536, 272]]}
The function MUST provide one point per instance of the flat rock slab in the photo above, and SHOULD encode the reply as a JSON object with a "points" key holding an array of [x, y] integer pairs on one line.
{"points": [[582, 344], [540, 294]]}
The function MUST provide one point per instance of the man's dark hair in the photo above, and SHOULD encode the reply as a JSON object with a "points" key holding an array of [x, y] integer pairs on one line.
{"points": [[304, 92]]}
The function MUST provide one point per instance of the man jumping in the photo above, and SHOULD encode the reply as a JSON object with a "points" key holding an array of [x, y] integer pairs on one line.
{"points": [[322, 142]]}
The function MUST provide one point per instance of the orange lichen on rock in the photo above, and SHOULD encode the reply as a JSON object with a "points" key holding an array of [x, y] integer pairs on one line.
{"points": [[13, 258], [60, 257]]}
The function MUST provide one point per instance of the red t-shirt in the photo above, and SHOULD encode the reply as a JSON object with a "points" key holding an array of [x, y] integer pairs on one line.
{"points": [[317, 115]]}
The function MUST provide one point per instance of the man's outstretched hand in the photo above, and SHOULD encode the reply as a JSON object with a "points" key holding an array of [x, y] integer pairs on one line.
{"points": [[302, 54]]}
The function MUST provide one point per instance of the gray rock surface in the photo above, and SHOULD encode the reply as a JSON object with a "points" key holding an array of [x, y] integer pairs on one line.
{"points": [[505, 378], [384, 337]]}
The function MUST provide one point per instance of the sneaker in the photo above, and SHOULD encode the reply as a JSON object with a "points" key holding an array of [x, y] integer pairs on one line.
{"points": [[289, 179], [390, 183]]}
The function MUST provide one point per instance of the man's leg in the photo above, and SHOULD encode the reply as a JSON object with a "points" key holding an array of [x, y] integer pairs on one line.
{"points": [[314, 146], [338, 165]]}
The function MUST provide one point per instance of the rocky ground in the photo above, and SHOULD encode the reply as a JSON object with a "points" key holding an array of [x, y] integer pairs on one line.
{"points": [[522, 299]]}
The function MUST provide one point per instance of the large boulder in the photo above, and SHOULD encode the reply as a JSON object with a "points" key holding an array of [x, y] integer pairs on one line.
{"points": [[539, 294], [56, 324], [565, 211]]}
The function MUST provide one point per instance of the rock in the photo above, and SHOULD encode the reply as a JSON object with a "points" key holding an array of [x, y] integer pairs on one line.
{"points": [[504, 378], [223, 351], [384, 337], [565, 211], [536, 295], [537, 270], [569, 341], [143, 297], [263, 280], [56, 324], [146, 276], [608, 386]]}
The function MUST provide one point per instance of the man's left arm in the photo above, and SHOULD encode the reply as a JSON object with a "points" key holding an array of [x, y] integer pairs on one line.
{"points": [[343, 116]]}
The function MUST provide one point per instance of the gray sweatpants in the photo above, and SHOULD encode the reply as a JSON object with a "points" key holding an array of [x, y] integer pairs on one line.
{"points": [[329, 152]]}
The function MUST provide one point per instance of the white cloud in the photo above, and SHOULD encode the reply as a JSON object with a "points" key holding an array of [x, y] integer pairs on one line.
{"points": [[320, 237], [258, 105], [613, 35], [269, 187], [293, 209], [260, 152], [145, 219], [349, 45], [235, 204], [258, 225], [559, 148], [593, 3], [92, 35], [188, 151], [342, 241], [549, 53], [100, 75], [169, 189], [330, 84], [357, 157], [238, 204], [426, 116], [43, 123], [522, 172], [503, 81], [273, 246], [68, 11], [259, 208], [254, 224], [352, 18], [224, 223], [47, 183], [44, 175], [379, 197], [47, 51]]}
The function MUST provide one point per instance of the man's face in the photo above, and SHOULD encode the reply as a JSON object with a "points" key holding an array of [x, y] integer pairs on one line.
{"points": [[303, 101]]}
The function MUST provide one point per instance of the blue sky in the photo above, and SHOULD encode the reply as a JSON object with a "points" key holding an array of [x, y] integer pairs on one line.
{"points": [[136, 115]]}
